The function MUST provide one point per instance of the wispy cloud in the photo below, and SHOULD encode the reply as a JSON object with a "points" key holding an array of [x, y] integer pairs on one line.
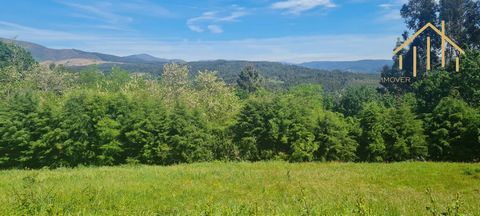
{"points": [[12, 30], [386, 6], [215, 29], [98, 11], [299, 6], [391, 15], [115, 15], [390, 11], [213, 19]]}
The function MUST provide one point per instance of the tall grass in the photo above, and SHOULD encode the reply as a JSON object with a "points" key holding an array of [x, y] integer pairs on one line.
{"points": [[266, 188]]}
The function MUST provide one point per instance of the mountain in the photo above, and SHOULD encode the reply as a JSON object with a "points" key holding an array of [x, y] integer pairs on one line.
{"points": [[73, 57], [276, 75], [361, 66]]}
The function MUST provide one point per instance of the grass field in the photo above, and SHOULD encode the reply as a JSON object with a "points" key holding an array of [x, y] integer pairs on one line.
{"points": [[267, 188]]}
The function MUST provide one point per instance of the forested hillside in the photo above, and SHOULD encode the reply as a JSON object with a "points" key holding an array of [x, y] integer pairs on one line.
{"points": [[360, 66], [276, 75]]}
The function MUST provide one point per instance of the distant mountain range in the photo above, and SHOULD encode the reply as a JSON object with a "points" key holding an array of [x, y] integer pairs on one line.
{"points": [[275, 74], [73, 57], [361, 66]]}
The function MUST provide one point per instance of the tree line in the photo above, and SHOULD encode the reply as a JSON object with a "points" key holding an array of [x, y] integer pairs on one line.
{"points": [[51, 117]]}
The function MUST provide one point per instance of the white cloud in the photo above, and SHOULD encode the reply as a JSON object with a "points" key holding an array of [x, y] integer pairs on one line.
{"points": [[118, 15], [97, 12], [391, 15], [287, 49], [213, 19], [215, 29], [386, 6], [195, 28], [13, 30], [298, 6], [391, 11]]}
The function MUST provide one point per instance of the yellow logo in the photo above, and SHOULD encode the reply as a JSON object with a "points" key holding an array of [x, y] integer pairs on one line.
{"points": [[444, 38]]}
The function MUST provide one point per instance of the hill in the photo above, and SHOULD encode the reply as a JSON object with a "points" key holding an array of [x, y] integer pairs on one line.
{"points": [[264, 188], [276, 75], [361, 66], [70, 57]]}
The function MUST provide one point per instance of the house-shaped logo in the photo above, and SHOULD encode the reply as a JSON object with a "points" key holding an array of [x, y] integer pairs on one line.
{"points": [[428, 66]]}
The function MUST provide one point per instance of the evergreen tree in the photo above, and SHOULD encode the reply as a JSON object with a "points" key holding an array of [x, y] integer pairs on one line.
{"points": [[371, 142], [15, 134], [188, 137], [404, 137], [334, 139], [145, 133], [453, 131], [253, 129], [249, 79]]}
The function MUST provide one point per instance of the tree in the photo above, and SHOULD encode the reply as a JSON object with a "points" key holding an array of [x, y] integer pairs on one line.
{"points": [[13, 55], [252, 132], [144, 133], [440, 84], [175, 85], [188, 137], [249, 79], [453, 131], [352, 101], [417, 13], [468, 80], [404, 136], [116, 80], [334, 139], [15, 64], [46, 80], [16, 136], [432, 89], [462, 19], [215, 99], [109, 145], [371, 142]]}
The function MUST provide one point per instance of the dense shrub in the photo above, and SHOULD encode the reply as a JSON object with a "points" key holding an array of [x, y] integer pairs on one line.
{"points": [[50, 117]]}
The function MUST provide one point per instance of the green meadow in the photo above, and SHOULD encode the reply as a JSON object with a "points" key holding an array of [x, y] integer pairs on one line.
{"points": [[264, 188]]}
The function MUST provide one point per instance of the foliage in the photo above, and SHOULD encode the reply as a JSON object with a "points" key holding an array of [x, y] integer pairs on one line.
{"points": [[50, 117], [249, 80], [353, 99], [462, 18], [454, 131], [335, 142]]}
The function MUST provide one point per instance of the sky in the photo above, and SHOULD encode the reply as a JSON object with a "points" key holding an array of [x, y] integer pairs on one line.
{"points": [[273, 30]]}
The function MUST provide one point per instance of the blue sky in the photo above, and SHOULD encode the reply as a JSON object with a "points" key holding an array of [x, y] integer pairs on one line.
{"points": [[273, 30]]}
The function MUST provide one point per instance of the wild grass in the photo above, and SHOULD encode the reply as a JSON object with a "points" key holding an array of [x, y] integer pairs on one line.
{"points": [[265, 188]]}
